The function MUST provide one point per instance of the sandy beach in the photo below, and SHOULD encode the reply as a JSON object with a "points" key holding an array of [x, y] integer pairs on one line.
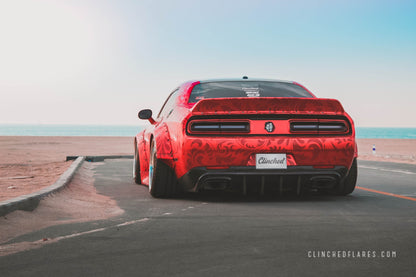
{"points": [[28, 164]]}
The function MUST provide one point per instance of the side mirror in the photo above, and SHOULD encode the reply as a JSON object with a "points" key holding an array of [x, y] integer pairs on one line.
{"points": [[147, 114]]}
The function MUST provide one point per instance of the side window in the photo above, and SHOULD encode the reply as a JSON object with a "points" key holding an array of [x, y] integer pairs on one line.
{"points": [[168, 105]]}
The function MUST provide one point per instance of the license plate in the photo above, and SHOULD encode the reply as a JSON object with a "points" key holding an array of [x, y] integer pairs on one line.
{"points": [[271, 161]]}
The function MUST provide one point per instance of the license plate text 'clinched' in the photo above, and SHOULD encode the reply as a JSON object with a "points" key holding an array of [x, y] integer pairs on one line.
{"points": [[271, 161]]}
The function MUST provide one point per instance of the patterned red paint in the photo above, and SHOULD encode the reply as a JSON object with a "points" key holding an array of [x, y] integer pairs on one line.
{"points": [[268, 106], [237, 151], [185, 93], [163, 143], [143, 155]]}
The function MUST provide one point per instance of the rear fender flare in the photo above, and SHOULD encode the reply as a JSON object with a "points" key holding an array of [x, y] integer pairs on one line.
{"points": [[163, 144]]}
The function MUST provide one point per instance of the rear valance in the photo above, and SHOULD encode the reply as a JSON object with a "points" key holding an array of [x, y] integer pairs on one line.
{"points": [[268, 106]]}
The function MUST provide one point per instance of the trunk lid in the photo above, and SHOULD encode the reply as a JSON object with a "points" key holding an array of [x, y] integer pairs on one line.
{"points": [[268, 106]]}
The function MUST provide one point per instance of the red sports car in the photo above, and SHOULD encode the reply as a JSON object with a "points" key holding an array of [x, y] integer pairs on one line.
{"points": [[250, 135]]}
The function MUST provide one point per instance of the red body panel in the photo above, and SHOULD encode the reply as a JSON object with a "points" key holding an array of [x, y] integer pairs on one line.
{"points": [[268, 106], [183, 151], [220, 152]]}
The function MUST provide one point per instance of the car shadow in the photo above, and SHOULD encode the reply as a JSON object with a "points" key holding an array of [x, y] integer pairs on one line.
{"points": [[226, 196]]}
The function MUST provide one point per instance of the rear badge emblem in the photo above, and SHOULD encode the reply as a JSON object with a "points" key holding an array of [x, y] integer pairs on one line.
{"points": [[269, 127]]}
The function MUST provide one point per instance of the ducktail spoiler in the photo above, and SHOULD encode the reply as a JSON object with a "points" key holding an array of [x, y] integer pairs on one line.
{"points": [[268, 106]]}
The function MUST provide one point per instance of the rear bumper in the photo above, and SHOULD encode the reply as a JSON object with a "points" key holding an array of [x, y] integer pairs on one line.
{"points": [[201, 178], [239, 153]]}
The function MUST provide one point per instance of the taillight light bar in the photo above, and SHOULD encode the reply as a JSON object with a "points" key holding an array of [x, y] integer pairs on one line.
{"points": [[321, 127], [332, 127], [257, 126], [218, 127]]}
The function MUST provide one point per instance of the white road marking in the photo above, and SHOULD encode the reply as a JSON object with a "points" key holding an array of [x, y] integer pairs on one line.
{"points": [[11, 248], [387, 170], [133, 222], [76, 235], [7, 249]]}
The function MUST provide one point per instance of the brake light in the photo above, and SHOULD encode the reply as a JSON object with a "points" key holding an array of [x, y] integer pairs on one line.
{"points": [[319, 126], [218, 127], [304, 126], [332, 127], [258, 126]]}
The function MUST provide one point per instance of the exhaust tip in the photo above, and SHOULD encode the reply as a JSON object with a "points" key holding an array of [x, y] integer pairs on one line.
{"points": [[323, 182], [217, 183]]}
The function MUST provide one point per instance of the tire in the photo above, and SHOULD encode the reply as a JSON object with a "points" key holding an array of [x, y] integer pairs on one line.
{"points": [[347, 186], [136, 167], [162, 178]]}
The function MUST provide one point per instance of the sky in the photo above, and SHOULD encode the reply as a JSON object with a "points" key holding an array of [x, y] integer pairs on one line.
{"points": [[100, 62]]}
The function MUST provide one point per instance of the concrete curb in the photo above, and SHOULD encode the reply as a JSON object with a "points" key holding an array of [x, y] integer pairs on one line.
{"points": [[29, 202], [100, 158]]}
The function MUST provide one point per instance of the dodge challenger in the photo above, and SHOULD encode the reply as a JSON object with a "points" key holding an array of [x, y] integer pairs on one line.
{"points": [[249, 135]]}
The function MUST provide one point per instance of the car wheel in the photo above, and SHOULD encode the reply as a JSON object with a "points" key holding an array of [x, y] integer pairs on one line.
{"points": [[349, 182], [136, 167], [162, 178]]}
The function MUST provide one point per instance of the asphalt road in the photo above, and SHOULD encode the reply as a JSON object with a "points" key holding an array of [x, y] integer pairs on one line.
{"points": [[232, 235]]}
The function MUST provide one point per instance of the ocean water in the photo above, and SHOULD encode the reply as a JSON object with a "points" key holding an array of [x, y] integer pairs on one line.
{"points": [[130, 131], [68, 130], [386, 133]]}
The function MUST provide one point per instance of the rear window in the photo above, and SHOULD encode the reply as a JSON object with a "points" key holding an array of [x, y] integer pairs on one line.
{"points": [[246, 89]]}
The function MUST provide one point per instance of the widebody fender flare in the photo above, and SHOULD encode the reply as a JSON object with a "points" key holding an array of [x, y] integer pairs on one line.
{"points": [[163, 142]]}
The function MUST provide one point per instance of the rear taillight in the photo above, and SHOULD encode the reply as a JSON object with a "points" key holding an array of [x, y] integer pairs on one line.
{"points": [[320, 126], [333, 127], [218, 127], [260, 126], [304, 127]]}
